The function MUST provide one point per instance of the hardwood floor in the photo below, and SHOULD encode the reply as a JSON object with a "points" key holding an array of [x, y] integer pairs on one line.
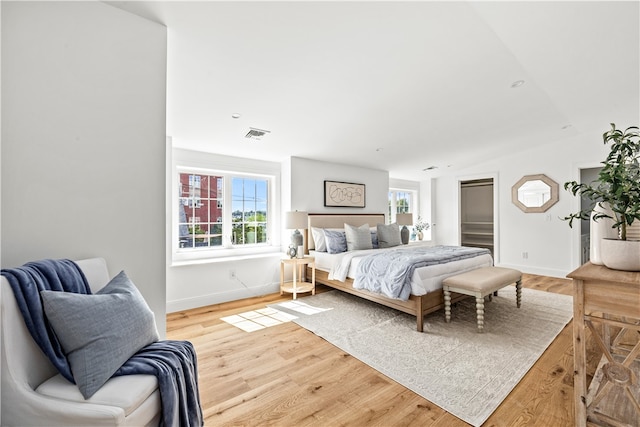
{"points": [[286, 376]]}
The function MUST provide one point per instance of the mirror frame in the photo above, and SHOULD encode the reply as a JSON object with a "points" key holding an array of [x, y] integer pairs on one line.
{"points": [[537, 209]]}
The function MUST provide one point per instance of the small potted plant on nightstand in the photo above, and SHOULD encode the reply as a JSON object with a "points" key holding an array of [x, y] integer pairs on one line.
{"points": [[617, 191], [419, 226]]}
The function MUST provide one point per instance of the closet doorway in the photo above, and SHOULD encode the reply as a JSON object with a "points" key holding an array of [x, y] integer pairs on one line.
{"points": [[587, 176], [477, 214]]}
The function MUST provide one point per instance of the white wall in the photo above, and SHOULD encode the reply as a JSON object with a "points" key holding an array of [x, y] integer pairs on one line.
{"points": [[202, 284], [302, 188], [83, 139], [552, 247], [307, 186]]}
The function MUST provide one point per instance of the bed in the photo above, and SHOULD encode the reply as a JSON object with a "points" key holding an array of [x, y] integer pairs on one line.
{"points": [[426, 285]]}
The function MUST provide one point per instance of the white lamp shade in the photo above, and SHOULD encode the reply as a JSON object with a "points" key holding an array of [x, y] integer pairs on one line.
{"points": [[404, 219], [296, 220]]}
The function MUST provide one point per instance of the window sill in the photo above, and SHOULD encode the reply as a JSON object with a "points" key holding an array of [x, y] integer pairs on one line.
{"points": [[228, 256]]}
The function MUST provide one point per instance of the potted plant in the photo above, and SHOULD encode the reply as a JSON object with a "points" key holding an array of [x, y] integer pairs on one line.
{"points": [[617, 191], [419, 226]]}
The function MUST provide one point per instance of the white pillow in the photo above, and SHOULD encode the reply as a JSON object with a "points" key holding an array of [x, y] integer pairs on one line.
{"points": [[358, 237], [318, 239]]}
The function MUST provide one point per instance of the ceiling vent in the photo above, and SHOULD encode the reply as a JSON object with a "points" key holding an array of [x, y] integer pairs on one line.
{"points": [[256, 134]]}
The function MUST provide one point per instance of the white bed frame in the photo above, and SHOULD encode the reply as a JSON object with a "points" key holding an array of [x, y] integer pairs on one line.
{"points": [[416, 305]]}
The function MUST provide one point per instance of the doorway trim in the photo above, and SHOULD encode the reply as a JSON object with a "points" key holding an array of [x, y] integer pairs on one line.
{"points": [[576, 235]]}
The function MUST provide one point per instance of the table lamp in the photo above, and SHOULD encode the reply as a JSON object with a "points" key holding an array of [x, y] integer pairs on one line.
{"points": [[295, 221], [404, 219]]}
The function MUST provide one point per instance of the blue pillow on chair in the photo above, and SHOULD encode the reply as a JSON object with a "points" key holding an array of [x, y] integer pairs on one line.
{"points": [[100, 332]]}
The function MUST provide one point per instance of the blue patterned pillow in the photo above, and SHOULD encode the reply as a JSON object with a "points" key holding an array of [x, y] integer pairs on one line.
{"points": [[336, 241]]}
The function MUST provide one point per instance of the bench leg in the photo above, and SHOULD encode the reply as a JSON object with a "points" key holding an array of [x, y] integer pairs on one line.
{"points": [[518, 292], [447, 305], [480, 313]]}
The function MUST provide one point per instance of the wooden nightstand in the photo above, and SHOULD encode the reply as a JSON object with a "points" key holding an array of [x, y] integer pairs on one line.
{"points": [[298, 284]]}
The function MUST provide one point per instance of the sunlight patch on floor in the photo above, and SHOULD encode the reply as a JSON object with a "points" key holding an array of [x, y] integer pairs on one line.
{"points": [[303, 308], [258, 319]]}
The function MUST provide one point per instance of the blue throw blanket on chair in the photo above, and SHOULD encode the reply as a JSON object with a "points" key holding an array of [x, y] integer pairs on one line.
{"points": [[174, 363]]}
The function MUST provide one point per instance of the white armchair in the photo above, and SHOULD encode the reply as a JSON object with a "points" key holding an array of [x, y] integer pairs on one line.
{"points": [[35, 394]]}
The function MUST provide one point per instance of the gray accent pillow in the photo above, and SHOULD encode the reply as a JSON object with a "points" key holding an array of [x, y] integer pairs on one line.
{"points": [[358, 237], [100, 332], [336, 241], [388, 235]]}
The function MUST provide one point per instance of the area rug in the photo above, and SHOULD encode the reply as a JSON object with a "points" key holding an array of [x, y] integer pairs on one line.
{"points": [[452, 365]]}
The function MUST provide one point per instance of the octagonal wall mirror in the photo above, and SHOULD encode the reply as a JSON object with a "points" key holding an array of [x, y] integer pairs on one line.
{"points": [[534, 193]]}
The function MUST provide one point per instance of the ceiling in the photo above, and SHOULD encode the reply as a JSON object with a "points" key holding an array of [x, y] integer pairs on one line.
{"points": [[398, 86]]}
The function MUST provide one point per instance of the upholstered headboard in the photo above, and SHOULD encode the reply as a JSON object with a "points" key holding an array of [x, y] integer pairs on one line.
{"points": [[324, 220]]}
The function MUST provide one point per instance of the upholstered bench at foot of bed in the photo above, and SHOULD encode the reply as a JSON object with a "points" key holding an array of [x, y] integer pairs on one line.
{"points": [[480, 283]]}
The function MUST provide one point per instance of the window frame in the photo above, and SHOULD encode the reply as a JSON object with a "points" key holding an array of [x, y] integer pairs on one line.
{"points": [[185, 161], [227, 220], [393, 203]]}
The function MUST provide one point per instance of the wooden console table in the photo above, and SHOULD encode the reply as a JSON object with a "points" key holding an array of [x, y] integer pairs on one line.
{"points": [[610, 298]]}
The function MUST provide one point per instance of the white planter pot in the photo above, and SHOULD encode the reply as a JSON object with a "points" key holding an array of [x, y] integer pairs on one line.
{"points": [[621, 254], [600, 229]]}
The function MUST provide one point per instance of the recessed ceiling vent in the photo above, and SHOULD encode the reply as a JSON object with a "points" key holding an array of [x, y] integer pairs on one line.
{"points": [[256, 134]]}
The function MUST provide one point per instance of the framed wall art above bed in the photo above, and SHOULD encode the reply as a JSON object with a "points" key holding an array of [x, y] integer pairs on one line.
{"points": [[344, 194]]}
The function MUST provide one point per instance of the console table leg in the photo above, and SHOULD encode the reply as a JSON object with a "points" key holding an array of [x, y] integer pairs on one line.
{"points": [[579, 355]]}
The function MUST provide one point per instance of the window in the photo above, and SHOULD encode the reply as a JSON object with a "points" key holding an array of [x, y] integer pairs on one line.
{"points": [[249, 205], [400, 201], [222, 207], [221, 211], [200, 211]]}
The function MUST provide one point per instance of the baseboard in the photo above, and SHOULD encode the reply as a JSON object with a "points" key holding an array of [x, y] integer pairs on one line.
{"points": [[537, 270], [220, 297]]}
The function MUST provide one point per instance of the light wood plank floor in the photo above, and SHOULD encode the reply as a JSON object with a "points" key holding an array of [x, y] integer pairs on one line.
{"points": [[286, 376]]}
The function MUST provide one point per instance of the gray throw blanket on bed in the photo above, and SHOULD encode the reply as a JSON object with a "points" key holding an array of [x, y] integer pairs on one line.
{"points": [[390, 272], [174, 363]]}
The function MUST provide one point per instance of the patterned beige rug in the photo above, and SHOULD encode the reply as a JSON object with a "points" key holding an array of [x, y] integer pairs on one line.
{"points": [[465, 373]]}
